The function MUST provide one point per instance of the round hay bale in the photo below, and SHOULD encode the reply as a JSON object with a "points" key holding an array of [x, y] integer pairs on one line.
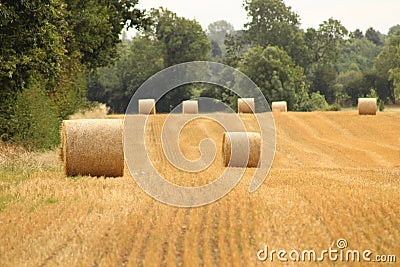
{"points": [[190, 107], [279, 106], [92, 147], [246, 105], [367, 106], [237, 145], [147, 106]]}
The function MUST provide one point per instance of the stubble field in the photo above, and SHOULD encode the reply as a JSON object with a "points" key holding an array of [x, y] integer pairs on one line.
{"points": [[335, 175]]}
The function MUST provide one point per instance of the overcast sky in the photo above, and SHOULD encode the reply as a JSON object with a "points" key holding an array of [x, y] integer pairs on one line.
{"points": [[362, 14]]}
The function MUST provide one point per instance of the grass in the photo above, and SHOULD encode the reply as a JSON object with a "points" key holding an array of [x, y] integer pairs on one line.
{"points": [[335, 175]]}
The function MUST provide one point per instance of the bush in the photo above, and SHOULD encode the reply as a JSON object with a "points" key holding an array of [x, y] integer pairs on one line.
{"points": [[380, 102], [34, 121], [315, 102], [334, 107]]}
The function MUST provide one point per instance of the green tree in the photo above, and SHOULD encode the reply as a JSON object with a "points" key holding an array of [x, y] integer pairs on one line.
{"points": [[183, 40], [32, 45], [352, 84], [274, 23], [387, 65], [217, 32], [95, 27], [48, 44], [235, 49], [357, 34], [216, 51], [115, 85], [170, 40], [394, 30], [278, 77], [374, 36], [325, 44], [323, 80], [358, 55]]}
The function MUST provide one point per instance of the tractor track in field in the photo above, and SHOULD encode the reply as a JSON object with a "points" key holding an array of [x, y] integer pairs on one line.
{"points": [[131, 242], [200, 251], [165, 244], [180, 241]]}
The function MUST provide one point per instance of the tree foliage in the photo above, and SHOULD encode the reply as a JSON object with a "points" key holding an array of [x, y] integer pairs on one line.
{"points": [[116, 84], [217, 33], [273, 23], [325, 44], [358, 54], [170, 40], [374, 36], [95, 27], [53, 42], [183, 40], [387, 67], [278, 77]]}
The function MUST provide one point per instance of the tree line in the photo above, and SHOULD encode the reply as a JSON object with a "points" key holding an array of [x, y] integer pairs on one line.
{"points": [[322, 68], [57, 54]]}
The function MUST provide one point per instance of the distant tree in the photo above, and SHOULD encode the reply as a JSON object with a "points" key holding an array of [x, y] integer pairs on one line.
{"points": [[358, 55], [395, 30], [352, 85], [323, 80], [168, 41], [183, 40], [357, 34], [235, 47], [217, 32], [374, 36], [215, 50], [276, 75], [274, 23], [116, 84], [325, 44], [387, 67]]}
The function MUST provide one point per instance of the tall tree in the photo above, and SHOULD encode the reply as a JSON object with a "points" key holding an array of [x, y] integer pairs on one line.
{"points": [[358, 55], [325, 44], [115, 84], [217, 32], [276, 75], [357, 34], [394, 30], [374, 36], [183, 39], [31, 42], [48, 44], [235, 47], [274, 23], [387, 67], [95, 27], [170, 40]]}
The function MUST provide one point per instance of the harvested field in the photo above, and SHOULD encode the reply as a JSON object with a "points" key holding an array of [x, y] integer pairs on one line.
{"points": [[335, 175]]}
